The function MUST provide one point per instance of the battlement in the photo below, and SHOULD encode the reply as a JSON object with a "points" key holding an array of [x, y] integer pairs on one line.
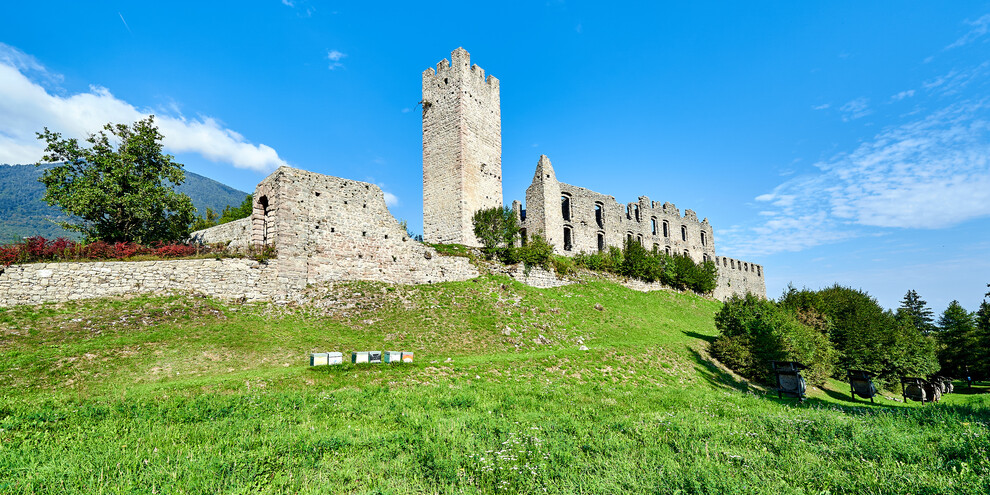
{"points": [[458, 69]]}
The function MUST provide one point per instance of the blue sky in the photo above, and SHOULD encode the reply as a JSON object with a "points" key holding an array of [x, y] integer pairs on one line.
{"points": [[839, 142]]}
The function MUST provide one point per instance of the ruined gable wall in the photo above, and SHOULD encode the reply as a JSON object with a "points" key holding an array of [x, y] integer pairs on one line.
{"points": [[331, 229], [739, 277], [462, 148]]}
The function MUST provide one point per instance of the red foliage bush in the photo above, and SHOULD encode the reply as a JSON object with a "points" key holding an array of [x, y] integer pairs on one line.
{"points": [[40, 249], [175, 250]]}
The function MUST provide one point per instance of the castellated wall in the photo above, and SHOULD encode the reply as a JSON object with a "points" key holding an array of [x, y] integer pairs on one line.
{"points": [[739, 277], [462, 148]]}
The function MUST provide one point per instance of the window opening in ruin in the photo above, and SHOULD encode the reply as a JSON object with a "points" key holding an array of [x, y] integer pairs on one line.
{"points": [[522, 215], [683, 232], [667, 250], [746, 267], [567, 239], [639, 238], [733, 263], [653, 224], [686, 253], [601, 241], [759, 272], [628, 237], [656, 248], [704, 258], [666, 229], [263, 202], [704, 238], [636, 212], [600, 215], [725, 262], [522, 235], [565, 207]]}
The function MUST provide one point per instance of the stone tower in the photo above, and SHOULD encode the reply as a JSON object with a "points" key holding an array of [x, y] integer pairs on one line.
{"points": [[462, 148]]}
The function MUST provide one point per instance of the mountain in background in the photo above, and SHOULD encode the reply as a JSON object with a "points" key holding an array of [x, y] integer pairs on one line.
{"points": [[24, 214]]}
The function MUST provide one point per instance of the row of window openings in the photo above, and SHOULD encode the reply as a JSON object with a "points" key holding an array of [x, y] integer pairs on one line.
{"points": [[569, 244], [565, 210], [726, 262]]}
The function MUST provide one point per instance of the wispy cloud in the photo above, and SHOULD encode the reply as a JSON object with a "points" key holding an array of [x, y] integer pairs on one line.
{"points": [[929, 173], [125, 23], [335, 57], [902, 95], [978, 29], [823, 106], [855, 109], [26, 107]]}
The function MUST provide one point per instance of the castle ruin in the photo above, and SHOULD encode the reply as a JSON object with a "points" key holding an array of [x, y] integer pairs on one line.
{"points": [[462, 174], [332, 229]]}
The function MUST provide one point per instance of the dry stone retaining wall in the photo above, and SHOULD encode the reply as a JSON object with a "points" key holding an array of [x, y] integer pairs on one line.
{"points": [[229, 278]]}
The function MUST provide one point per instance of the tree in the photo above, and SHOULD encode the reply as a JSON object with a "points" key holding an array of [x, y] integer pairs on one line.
{"points": [[231, 213], [981, 367], [121, 188], [915, 311], [496, 228], [957, 340], [868, 338]]}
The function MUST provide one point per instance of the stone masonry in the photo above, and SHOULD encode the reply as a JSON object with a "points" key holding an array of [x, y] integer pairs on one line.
{"points": [[462, 148]]}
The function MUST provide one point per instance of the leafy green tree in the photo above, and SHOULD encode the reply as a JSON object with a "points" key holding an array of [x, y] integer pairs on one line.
{"points": [[753, 332], [868, 338], [957, 340], [209, 219], [536, 252], [981, 366], [244, 210], [121, 187], [496, 228], [915, 311]]}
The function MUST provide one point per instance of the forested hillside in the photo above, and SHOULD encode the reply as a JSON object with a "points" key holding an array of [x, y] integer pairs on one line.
{"points": [[22, 213]]}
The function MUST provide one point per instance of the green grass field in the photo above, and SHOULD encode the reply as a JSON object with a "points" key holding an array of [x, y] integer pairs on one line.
{"points": [[190, 395]]}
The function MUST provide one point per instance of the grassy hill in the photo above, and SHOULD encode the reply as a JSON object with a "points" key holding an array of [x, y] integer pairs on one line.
{"points": [[23, 214], [190, 395]]}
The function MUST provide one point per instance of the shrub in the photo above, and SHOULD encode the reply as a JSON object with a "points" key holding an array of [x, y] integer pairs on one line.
{"points": [[536, 252], [562, 265], [754, 332], [496, 228]]}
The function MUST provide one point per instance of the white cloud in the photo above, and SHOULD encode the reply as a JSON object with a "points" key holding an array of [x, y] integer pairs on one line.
{"points": [[903, 94], [390, 199], [980, 28], [822, 106], [929, 173], [288, 3], [335, 58], [26, 107], [855, 109]]}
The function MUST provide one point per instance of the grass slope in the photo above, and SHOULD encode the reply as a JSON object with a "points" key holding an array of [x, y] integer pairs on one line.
{"points": [[189, 395]]}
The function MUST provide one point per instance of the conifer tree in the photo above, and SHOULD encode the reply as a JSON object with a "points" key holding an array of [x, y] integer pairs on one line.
{"points": [[957, 340], [915, 311]]}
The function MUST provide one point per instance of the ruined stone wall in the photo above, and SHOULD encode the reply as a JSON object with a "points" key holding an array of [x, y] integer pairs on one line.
{"points": [[596, 221], [462, 148], [327, 229], [236, 235], [739, 277], [38, 283]]}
